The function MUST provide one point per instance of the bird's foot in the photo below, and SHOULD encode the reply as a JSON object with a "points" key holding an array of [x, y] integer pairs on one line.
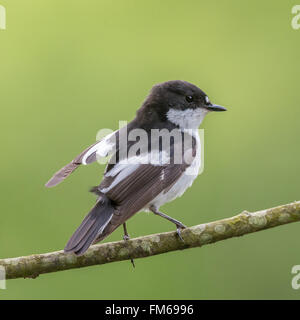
{"points": [[126, 237], [179, 228]]}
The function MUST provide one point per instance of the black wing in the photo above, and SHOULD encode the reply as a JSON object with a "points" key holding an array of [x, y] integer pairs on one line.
{"points": [[137, 190]]}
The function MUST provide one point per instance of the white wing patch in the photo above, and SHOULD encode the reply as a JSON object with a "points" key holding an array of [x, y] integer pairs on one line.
{"points": [[123, 172], [126, 167], [102, 148]]}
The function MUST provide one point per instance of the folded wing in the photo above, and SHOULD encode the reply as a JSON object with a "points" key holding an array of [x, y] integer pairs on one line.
{"points": [[132, 187]]}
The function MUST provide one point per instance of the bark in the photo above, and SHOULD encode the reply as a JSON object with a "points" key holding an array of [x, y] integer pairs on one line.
{"points": [[196, 236]]}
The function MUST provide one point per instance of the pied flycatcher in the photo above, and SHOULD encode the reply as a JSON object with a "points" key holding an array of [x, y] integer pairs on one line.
{"points": [[151, 175]]}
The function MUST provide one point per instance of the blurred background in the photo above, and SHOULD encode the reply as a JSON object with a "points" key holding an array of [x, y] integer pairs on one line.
{"points": [[69, 68]]}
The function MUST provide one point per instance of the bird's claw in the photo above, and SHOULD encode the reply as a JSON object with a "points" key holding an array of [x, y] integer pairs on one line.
{"points": [[179, 228], [126, 237], [132, 262]]}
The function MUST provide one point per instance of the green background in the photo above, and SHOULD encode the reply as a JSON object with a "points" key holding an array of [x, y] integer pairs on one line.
{"points": [[69, 68]]}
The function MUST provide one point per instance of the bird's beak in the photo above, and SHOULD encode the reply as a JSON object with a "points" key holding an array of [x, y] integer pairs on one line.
{"points": [[215, 107]]}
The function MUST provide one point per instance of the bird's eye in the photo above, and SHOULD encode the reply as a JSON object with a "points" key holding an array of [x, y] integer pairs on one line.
{"points": [[189, 98]]}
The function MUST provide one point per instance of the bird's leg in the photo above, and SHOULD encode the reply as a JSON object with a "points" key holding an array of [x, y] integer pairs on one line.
{"points": [[178, 224], [126, 238], [126, 235]]}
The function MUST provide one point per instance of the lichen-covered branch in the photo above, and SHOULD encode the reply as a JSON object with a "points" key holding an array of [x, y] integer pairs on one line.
{"points": [[196, 236]]}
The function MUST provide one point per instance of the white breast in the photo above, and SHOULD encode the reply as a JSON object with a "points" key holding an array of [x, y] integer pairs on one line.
{"points": [[184, 182]]}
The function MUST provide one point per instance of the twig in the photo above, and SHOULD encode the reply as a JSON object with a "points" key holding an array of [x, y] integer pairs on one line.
{"points": [[196, 236]]}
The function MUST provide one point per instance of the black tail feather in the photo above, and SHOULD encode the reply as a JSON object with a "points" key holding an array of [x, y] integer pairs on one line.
{"points": [[91, 227]]}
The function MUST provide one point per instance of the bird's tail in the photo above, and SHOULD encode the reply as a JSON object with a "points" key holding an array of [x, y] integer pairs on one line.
{"points": [[91, 227]]}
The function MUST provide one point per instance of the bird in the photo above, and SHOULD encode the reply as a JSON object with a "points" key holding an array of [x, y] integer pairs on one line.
{"points": [[145, 178]]}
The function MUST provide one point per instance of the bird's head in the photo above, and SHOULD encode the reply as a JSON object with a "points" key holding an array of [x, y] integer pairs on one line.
{"points": [[178, 102]]}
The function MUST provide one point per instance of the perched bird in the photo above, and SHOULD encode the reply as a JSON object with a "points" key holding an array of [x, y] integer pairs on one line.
{"points": [[147, 177]]}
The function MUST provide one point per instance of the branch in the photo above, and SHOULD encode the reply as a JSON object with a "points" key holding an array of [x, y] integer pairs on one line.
{"points": [[196, 236]]}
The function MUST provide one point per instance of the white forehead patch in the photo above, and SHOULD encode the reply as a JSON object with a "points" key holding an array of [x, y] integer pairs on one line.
{"points": [[207, 100]]}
